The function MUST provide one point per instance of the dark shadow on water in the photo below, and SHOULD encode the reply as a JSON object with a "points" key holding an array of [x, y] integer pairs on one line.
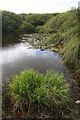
{"points": [[9, 38]]}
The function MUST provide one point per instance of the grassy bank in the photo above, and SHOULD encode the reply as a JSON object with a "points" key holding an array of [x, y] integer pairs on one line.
{"points": [[64, 34]]}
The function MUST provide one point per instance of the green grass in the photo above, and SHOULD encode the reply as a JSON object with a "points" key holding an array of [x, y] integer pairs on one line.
{"points": [[48, 93], [71, 51], [63, 31]]}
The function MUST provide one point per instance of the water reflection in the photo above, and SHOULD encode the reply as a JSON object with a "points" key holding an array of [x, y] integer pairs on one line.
{"points": [[21, 51], [17, 57], [9, 38]]}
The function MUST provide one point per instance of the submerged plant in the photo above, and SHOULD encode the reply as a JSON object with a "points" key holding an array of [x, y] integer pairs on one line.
{"points": [[32, 92]]}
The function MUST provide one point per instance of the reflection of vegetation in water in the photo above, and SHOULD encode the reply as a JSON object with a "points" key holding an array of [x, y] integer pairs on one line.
{"points": [[37, 94], [9, 38]]}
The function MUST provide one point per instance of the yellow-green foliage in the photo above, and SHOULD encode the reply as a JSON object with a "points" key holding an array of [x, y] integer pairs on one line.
{"points": [[71, 51], [65, 35], [62, 22], [32, 88]]}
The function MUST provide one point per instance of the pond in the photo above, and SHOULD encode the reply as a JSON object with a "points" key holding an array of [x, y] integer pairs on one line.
{"points": [[24, 51]]}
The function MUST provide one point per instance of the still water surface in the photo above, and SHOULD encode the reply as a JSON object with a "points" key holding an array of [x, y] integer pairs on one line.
{"points": [[20, 52]]}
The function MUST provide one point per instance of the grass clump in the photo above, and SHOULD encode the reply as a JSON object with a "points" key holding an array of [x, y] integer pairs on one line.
{"points": [[33, 93], [71, 51]]}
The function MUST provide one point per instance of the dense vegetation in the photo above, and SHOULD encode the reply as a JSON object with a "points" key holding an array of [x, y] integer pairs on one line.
{"points": [[33, 93], [23, 22], [65, 36], [30, 89], [10, 21], [62, 28]]}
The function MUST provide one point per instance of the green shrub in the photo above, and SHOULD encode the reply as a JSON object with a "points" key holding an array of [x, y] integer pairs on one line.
{"points": [[49, 92], [39, 29], [10, 21], [27, 27]]}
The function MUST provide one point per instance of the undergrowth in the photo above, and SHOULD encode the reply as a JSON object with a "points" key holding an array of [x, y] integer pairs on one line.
{"points": [[33, 93], [63, 31]]}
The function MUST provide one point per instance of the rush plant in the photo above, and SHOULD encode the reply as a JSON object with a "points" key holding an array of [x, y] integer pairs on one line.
{"points": [[46, 93]]}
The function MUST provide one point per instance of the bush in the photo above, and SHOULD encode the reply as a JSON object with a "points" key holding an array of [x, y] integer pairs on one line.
{"points": [[39, 29], [31, 90], [27, 27]]}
